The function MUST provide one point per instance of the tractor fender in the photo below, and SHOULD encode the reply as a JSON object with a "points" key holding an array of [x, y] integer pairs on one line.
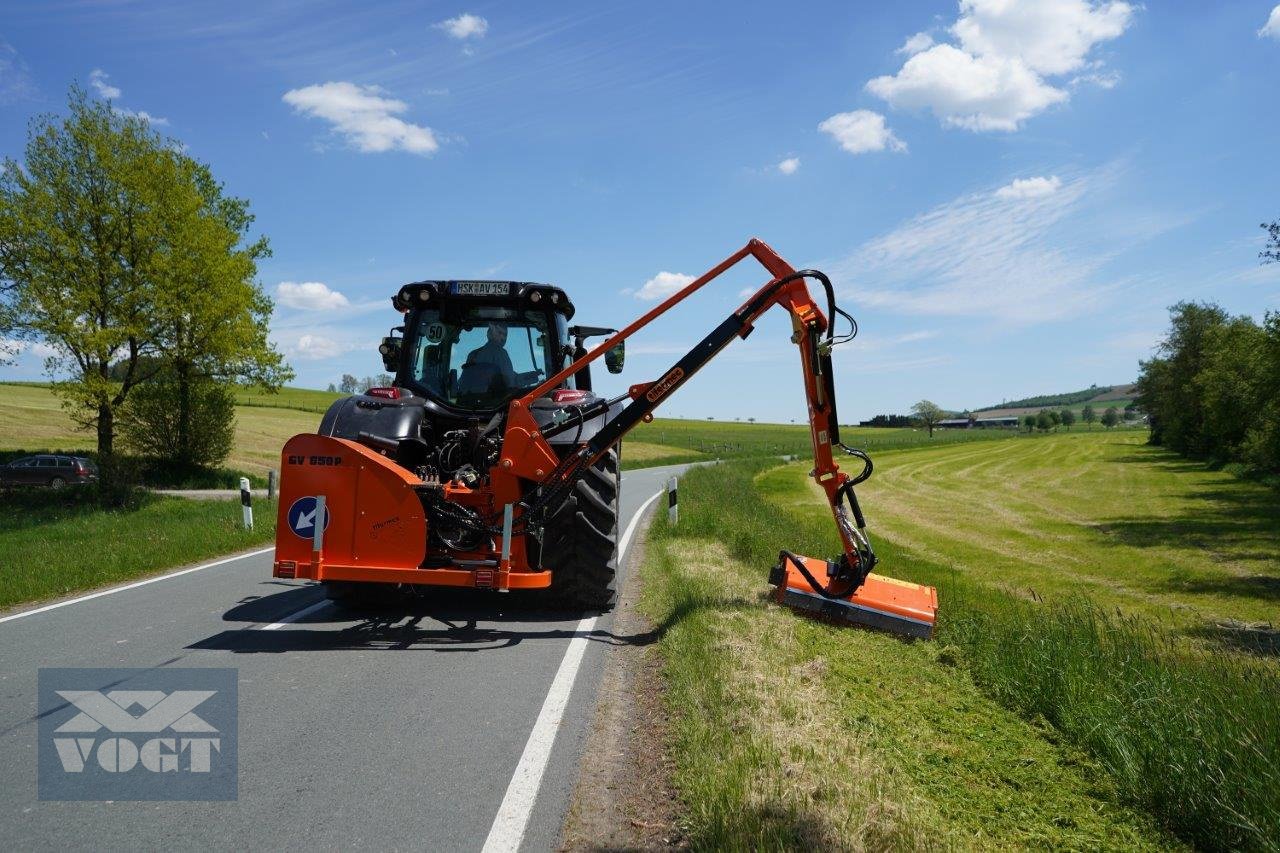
{"points": [[543, 410]]}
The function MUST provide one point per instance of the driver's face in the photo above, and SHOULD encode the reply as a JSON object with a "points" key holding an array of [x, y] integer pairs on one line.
{"points": [[497, 333]]}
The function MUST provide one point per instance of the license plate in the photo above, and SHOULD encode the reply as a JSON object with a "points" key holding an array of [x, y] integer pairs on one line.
{"points": [[481, 288]]}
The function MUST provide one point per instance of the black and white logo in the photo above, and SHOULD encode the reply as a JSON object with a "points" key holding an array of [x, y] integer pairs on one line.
{"points": [[137, 734]]}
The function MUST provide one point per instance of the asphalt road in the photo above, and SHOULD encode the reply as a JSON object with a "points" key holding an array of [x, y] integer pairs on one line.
{"points": [[388, 731]]}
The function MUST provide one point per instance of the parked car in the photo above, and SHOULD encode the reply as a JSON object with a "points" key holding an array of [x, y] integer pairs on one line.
{"points": [[48, 470]]}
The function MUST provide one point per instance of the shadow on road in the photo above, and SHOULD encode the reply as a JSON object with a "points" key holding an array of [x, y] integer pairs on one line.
{"points": [[455, 621]]}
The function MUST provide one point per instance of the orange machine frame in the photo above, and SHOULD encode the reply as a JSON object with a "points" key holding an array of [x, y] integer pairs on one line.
{"points": [[377, 491]]}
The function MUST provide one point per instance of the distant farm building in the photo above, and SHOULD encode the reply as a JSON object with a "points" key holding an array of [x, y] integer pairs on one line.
{"points": [[1010, 422]]}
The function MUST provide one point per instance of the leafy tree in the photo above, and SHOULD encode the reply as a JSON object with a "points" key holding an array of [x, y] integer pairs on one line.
{"points": [[151, 423], [349, 384], [751, 420], [82, 241], [1270, 253], [1029, 421], [1110, 417], [1228, 386], [332, 389], [1165, 389], [1055, 418], [384, 380], [1088, 415], [122, 253], [1067, 417], [928, 413], [212, 316], [1044, 423]]}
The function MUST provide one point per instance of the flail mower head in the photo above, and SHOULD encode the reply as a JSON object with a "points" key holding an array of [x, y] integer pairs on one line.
{"points": [[878, 602]]}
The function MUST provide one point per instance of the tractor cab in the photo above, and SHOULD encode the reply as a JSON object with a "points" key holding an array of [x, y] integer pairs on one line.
{"points": [[473, 346]]}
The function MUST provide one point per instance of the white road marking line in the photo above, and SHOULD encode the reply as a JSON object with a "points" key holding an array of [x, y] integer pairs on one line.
{"points": [[294, 617], [509, 824], [135, 585]]}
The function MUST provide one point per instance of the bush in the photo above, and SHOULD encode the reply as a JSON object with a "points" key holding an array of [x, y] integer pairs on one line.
{"points": [[195, 429]]}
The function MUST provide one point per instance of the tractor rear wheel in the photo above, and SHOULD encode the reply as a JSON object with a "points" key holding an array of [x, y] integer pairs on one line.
{"points": [[581, 540]]}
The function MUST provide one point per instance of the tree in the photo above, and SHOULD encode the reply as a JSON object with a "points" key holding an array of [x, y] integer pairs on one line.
{"points": [[928, 413], [1067, 417], [1055, 418], [384, 380], [1165, 390], [123, 255], [751, 420], [1270, 253], [213, 318], [1044, 423], [151, 424], [332, 389], [82, 232], [1088, 415], [1029, 421], [1110, 417], [349, 384]]}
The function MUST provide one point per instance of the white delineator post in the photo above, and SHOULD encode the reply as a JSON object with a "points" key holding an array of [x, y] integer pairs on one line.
{"points": [[673, 512], [246, 503]]}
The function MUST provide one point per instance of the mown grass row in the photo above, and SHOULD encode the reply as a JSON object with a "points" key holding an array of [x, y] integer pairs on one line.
{"points": [[1187, 734]]}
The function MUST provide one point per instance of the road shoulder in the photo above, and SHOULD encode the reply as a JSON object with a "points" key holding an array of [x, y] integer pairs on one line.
{"points": [[624, 797]]}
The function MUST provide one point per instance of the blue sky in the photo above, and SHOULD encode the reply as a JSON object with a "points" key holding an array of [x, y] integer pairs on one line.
{"points": [[1008, 195]]}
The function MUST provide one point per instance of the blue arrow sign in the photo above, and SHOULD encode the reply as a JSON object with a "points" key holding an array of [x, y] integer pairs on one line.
{"points": [[302, 517]]}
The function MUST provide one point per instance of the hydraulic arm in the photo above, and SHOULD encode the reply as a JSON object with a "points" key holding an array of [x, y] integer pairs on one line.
{"points": [[841, 589]]}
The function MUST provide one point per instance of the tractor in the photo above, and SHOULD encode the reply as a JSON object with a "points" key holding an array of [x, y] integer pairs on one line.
{"points": [[491, 463]]}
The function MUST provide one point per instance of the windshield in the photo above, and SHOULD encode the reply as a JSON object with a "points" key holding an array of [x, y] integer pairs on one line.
{"points": [[480, 357]]}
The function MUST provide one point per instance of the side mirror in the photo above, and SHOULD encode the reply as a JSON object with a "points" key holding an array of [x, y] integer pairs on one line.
{"points": [[390, 350], [614, 358]]}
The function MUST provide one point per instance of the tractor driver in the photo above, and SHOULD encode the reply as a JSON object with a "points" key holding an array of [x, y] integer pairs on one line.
{"points": [[495, 352]]}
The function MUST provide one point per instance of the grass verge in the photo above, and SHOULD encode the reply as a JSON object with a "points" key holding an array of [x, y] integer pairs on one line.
{"points": [[1190, 736], [52, 544], [793, 734]]}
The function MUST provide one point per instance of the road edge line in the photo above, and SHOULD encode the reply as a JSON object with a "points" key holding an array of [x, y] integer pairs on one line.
{"points": [[294, 617], [113, 590], [509, 824]]}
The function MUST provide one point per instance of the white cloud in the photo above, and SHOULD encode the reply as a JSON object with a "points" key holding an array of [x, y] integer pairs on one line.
{"points": [[1272, 27], [1049, 36], [976, 93], [16, 83], [915, 44], [98, 80], [994, 78], [144, 115], [1017, 260], [663, 285], [464, 26], [315, 347], [364, 116], [861, 131], [1030, 187], [789, 166], [1101, 79], [310, 296]]}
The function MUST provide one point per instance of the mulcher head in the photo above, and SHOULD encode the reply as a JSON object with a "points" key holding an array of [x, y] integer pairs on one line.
{"points": [[878, 602]]}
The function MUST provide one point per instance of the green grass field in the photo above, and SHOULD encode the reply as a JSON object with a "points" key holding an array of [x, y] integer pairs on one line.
{"points": [[32, 419], [1045, 720], [1101, 515], [53, 544]]}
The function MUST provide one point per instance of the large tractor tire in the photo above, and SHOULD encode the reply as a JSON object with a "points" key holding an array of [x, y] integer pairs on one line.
{"points": [[581, 545]]}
